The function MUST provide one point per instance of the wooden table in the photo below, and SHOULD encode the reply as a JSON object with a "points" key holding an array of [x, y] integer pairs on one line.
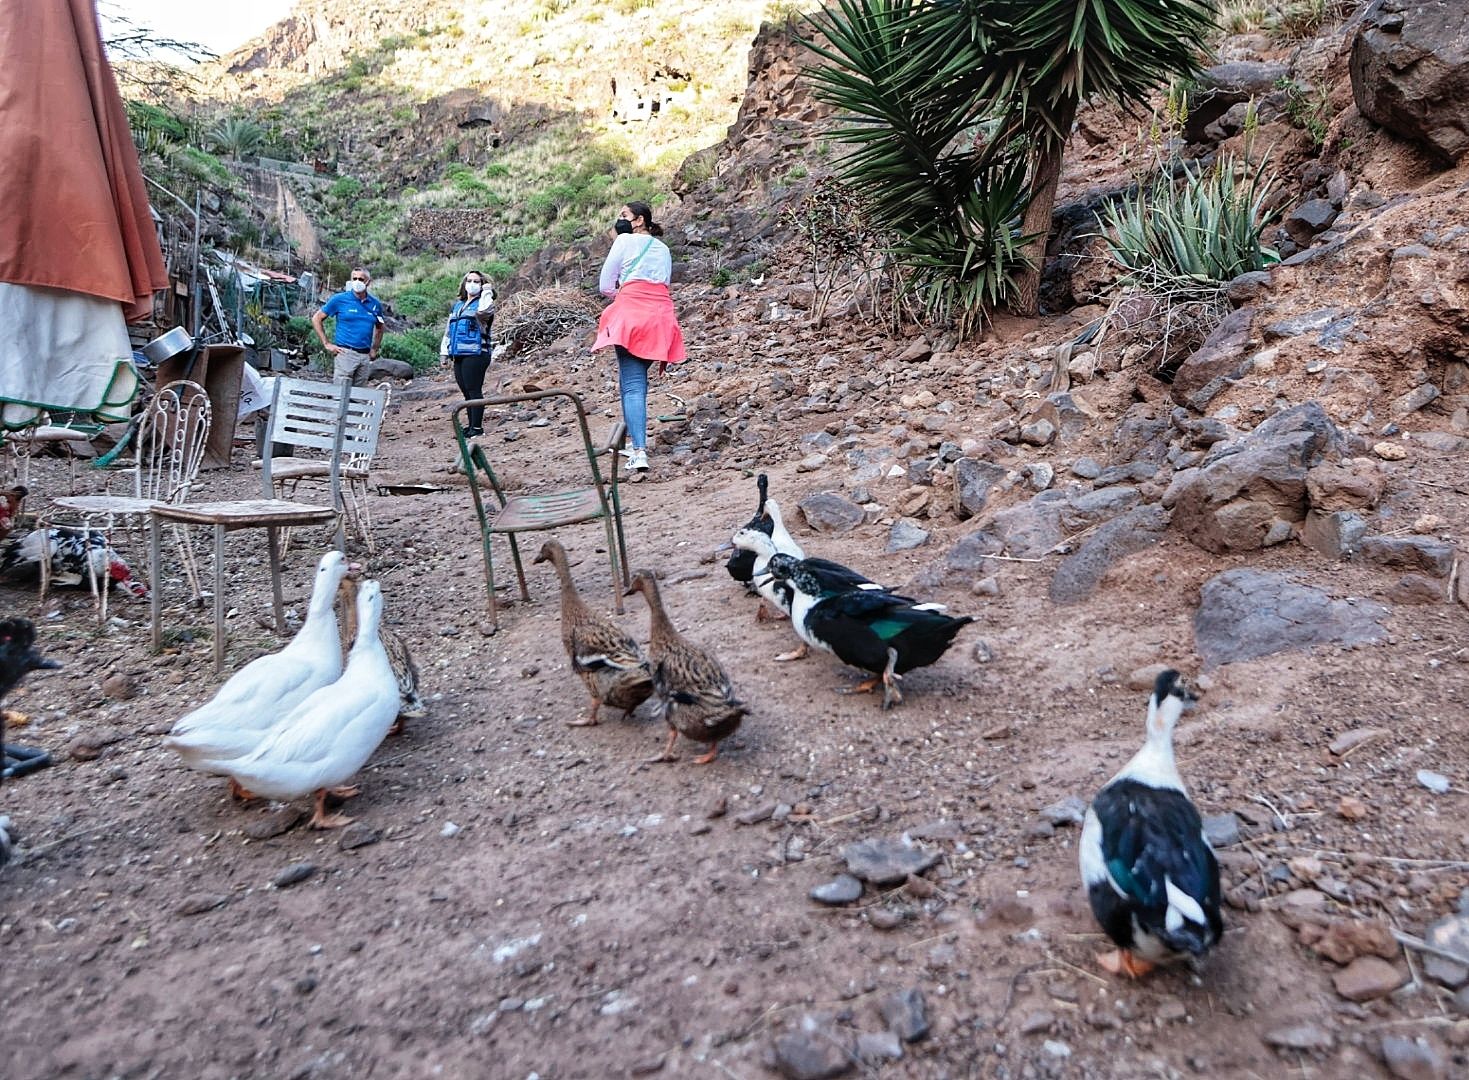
{"points": [[271, 515]]}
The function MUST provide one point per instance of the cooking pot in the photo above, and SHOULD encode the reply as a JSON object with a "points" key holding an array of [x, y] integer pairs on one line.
{"points": [[168, 345]]}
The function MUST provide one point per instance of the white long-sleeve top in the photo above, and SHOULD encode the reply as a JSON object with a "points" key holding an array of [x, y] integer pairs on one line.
{"points": [[647, 256]]}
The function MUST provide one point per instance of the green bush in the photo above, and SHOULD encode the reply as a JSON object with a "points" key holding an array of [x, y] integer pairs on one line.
{"points": [[346, 187], [1196, 233], [429, 300], [418, 347]]}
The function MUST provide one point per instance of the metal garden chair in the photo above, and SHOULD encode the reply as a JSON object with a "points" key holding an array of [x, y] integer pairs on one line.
{"points": [[545, 511]]}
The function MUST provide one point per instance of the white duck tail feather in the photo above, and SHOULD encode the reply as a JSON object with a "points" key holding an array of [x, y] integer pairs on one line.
{"points": [[1181, 907]]}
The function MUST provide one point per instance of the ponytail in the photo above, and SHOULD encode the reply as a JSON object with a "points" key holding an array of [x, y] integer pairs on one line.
{"points": [[644, 211]]}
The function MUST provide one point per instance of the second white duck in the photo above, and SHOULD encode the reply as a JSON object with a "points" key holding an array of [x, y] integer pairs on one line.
{"points": [[266, 690], [331, 734]]}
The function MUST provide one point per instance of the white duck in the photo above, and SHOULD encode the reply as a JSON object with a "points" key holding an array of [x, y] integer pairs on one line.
{"points": [[780, 536], [263, 692], [330, 736]]}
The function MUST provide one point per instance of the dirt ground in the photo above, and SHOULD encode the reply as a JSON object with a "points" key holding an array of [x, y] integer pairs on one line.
{"points": [[542, 903]]}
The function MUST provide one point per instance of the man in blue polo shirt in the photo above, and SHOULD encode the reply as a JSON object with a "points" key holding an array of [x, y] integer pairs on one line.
{"points": [[359, 329]]}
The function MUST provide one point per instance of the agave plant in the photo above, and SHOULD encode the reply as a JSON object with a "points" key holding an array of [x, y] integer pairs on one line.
{"points": [[1197, 232]]}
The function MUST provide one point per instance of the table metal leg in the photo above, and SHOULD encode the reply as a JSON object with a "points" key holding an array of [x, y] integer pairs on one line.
{"points": [[273, 536], [218, 599], [155, 561]]}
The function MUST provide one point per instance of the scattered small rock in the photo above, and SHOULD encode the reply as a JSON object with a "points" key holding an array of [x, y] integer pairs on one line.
{"points": [[449, 829], [842, 889], [357, 835], [1412, 1059], [756, 814], [119, 687], [1437, 783], [717, 809], [1222, 830], [875, 1047], [812, 1052], [906, 1014], [1367, 978], [199, 903], [886, 918], [905, 535], [294, 875], [1352, 808], [275, 823], [1451, 934], [1349, 740], [1039, 1022], [1069, 811], [1349, 939], [887, 862], [1304, 1036], [1390, 451]]}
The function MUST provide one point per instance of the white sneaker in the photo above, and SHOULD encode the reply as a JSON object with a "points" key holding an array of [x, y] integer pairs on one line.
{"points": [[637, 459]]}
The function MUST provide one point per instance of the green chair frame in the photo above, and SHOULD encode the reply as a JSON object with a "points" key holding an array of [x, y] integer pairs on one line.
{"points": [[549, 510]]}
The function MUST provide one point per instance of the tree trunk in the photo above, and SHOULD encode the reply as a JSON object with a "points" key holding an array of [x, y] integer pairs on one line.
{"points": [[1037, 220]]}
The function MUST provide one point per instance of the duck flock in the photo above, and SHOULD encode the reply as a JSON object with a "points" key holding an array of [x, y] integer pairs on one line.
{"points": [[302, 722]]}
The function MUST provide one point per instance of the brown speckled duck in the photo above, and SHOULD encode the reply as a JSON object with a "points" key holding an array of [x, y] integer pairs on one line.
{"points": [[693, 693], [404, 669], [608, 658]]}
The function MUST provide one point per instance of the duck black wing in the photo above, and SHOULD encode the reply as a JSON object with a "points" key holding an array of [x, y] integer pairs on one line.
{"points": [[862, 625], [1161, 871], [741, 564]]}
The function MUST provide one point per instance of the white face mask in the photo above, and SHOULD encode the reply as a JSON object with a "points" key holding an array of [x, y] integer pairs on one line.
{"points": [[358, 287], [472, 288]]}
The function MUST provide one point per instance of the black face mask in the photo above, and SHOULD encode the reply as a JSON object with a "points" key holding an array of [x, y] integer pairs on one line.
{"points": [[622, 225]]}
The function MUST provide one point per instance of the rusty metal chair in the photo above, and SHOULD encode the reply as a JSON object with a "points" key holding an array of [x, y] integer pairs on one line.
{"points": [[545, 511]]}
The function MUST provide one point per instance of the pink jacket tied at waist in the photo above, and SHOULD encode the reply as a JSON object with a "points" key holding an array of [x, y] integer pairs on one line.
{"points": [[641, 319]]}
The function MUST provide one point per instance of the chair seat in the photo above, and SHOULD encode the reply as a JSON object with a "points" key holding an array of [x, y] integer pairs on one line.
{"points": [[106, 504], [246, 513], [526, 513], [287, 469]]}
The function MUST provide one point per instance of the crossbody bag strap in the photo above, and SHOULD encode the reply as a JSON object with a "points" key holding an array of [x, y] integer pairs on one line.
{"points": [[630, 267]]}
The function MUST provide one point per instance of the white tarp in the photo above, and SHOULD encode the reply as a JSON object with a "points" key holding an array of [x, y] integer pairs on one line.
{"points": [[62, 351]]}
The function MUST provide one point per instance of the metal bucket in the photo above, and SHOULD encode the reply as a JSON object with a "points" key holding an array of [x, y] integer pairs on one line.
{"points": [[168, 345]]}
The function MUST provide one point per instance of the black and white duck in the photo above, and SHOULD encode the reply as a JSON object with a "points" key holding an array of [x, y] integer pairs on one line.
{"points": [[865, 627], [1149, 872], [741, 565]]}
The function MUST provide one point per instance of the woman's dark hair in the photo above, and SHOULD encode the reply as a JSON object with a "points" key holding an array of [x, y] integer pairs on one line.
{"points": [[463, 295], [644, 211]]}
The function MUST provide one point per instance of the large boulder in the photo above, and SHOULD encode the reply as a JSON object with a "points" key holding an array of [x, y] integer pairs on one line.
{"points": [[1224, 85], [1223, 358], [1082, 571], [1410, 72], [1253, 491], [1245, 613]]}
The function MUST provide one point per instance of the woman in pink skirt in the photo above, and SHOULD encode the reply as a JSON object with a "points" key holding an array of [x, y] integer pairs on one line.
{"points": [[640, 323]]}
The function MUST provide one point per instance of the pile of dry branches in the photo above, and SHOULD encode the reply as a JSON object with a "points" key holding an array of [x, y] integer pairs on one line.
{"points": [[541, 316]]}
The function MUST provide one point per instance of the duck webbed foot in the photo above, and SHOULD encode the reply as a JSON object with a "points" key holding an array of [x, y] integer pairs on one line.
{"points": [[320, 819], [705, 759], [765, 613], [590, 719], [350, 791], [1125, 962], [667, 754], [241, 793], [397, 728], [800, 652]]}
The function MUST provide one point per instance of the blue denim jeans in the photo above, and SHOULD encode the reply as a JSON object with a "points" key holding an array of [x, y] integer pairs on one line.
{"points": [[632, 376]]}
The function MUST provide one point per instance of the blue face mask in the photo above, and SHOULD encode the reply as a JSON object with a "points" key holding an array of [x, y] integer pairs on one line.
{"points": [[622, 225]]}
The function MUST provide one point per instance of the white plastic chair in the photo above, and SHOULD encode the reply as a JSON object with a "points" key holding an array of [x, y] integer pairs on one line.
{"points": [[307, 421]]}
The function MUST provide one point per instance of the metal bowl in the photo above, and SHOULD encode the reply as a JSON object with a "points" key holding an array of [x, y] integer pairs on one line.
{"points": [[168, 344]]}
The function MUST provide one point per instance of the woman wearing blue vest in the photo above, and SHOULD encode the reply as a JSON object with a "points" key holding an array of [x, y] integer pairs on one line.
{"points": [[467, 342]]}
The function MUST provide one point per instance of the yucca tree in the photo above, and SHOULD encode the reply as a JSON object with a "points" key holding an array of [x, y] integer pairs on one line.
{"points": [[1013, 72]]}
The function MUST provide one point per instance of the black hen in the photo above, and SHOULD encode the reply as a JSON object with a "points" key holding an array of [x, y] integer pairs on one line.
{"points": [[18, 656], [741, 565]]}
